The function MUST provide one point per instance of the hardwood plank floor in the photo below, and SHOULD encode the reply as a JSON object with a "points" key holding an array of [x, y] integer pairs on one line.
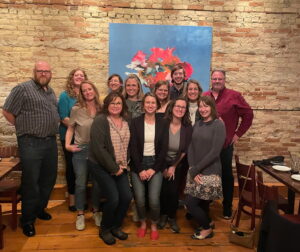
{"points": [[59, 234]]}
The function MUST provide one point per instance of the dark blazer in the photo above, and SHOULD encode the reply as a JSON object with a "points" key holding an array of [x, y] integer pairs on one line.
{"points": [[137, 136], [184, 142]]}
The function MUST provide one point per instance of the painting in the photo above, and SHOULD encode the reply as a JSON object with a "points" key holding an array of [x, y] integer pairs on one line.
{"points": [[150, 51]]}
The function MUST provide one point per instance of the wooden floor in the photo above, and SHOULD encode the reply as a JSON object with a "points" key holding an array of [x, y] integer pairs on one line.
{"points": [[59, 234]]}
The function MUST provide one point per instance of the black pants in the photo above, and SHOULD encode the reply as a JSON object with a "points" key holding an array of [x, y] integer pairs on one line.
{"points": [[199, 209], [70, 175], [227, 179], [39, 164], [169, 194]]}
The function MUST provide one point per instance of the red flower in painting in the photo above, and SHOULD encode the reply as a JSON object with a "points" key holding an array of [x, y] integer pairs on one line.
{"points": [[157, 66]]}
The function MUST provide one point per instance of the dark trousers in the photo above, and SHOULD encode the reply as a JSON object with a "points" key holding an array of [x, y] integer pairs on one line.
{"points": [[116, 191], [70, 175], [199, 209], [227, 178], [170, 194], [39, 163]]}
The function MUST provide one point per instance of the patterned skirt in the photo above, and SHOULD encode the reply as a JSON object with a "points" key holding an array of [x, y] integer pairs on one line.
{"points": [[210, 187]]}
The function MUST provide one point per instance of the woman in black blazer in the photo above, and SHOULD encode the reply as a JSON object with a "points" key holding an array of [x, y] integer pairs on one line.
{"points": [[179, 137], [148, 149]]}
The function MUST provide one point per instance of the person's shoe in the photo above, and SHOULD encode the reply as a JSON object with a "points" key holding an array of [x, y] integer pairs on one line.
{"points": [[162, 221], [97, 216], [154, 235], [29, 230], [141, 232], [117, 232], [80, 222], [227, 213], [198, 236], [212, 226], [107, 237], [72, 208], [173, 225], [44, 216]]}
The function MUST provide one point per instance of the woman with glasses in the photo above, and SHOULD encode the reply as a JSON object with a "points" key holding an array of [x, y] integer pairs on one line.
{"points": [[115, 83], [81, 119], [67, 100], [179, 136], [148, 149], [108, 160], [204, 176]]}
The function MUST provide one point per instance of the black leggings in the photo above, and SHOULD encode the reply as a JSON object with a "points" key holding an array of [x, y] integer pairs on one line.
{"points": [[199, 209]]}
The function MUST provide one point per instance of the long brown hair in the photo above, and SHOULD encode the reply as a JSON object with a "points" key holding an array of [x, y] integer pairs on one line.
{"points": [[192, 81], [186, 120], [82, 101], [209, 101], [70, 83]]}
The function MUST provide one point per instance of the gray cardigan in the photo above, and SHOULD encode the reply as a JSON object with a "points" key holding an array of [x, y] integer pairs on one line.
{"points": [[101, 150], [204, 151]]}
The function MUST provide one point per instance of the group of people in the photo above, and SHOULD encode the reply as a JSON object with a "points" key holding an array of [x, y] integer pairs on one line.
{"points": [[149, 147]]}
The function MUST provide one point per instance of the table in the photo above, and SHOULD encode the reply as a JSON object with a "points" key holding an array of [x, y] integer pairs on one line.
{"points": [[6, 166], [285, 178]]}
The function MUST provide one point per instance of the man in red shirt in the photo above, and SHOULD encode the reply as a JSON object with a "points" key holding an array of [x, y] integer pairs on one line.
{"points": [[232, 109]]}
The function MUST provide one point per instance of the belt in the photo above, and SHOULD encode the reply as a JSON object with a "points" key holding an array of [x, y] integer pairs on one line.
{"points": [[37, 137]]}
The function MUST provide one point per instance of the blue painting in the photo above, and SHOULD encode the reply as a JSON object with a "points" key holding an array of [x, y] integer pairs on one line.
{"points": [[150, 51]]}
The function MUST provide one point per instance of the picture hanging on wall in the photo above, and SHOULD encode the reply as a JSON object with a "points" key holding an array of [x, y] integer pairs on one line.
{"points": [[150, 51]]}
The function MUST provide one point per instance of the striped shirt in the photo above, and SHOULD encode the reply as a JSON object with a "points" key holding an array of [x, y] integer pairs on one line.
{"points": [[34, 108]]}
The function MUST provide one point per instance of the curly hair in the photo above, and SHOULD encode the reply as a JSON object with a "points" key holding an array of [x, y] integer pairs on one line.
{"points": [[186, 120], [192, 81], [81, 100], [110, 98], [70, 83]]}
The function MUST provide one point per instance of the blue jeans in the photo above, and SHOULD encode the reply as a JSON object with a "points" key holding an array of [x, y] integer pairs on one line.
{"points": [[154, 188], [81, 170], [39, 163], [116, 191]]}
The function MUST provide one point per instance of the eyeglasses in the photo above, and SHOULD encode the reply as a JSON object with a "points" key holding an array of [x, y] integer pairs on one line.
{"points": [[43, 71], [217, 79], [116, 103], [180, 107]]}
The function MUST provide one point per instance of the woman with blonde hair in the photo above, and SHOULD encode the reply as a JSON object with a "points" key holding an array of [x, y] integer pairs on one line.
{"points": [[81, 119], [133, 94], [67, 100]]}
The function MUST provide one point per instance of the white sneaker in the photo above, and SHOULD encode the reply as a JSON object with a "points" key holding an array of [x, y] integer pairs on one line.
{"points": [[97, 216], [80, 222]]}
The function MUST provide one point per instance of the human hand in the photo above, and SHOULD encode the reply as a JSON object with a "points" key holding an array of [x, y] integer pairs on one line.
{"points": [[197, 179], [143, 175], [234, 139], [171, 172], [119, 172], [73, 148], [150, 173], [165, 173]]}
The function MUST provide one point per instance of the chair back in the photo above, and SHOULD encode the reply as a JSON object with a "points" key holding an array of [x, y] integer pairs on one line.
{"points": [[246, 180], [8, 151], [265, 192]]}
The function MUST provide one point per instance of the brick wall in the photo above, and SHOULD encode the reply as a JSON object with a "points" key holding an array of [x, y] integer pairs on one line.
{"points": [[257, 42]]}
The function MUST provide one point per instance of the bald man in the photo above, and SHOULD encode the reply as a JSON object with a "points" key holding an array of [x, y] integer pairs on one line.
{"points": [[32, 108]]}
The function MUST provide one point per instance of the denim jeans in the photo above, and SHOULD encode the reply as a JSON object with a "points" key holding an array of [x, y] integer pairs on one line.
{"points": [[70, 176], [81, 171], [227, 179], [154, 188], [116, 191], [39, 163]]}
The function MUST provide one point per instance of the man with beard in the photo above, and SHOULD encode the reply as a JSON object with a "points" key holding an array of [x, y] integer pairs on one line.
{"points": [[231, 107], [32, 108], [178, 81]]}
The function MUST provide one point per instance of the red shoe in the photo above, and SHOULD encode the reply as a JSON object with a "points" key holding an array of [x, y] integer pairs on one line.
{"points": [[141, 232], [154, 235]]}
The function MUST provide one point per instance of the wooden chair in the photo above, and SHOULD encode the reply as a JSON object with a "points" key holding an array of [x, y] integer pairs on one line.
{"points": [[1, 229], [9, 187], [247, 192], [270, 193]]}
